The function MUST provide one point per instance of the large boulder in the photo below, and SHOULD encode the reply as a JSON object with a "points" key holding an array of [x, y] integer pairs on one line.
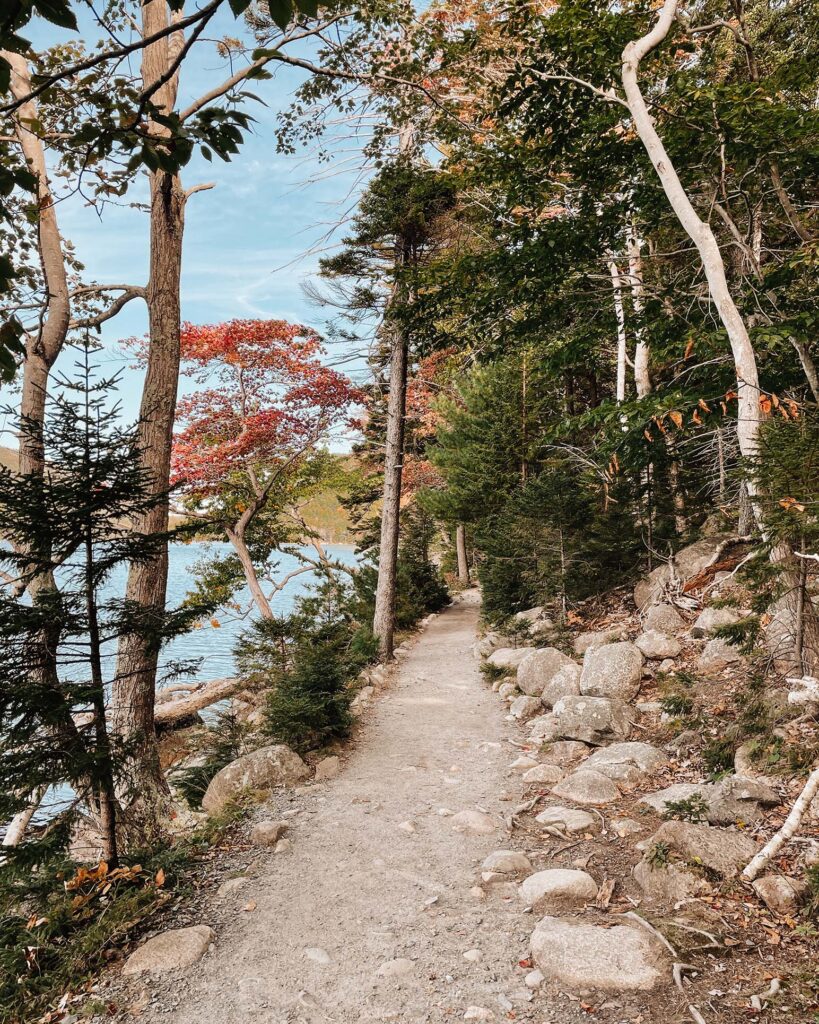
{"points": [[688, 562], [266, 768], [656, 645], [508, 658], [660, 800], [711, 619], [488, 644], [507, 862], [588, 788], [558, 890], [612, 670], [539, 667], [734, 799], [664, 618], [565, 682], [543, 775], [717, 655], [577, 956], [594, 720], [738, 798], [681, 858], [168, 951], [626, 762], [529, 615], [780, 894], [584, 641]]}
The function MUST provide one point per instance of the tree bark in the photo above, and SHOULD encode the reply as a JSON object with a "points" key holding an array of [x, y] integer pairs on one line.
{"points": [[237, 540], [135, 683], [749, 414], [384, 617], [620, 319], [43, 346], [460, 547], [642, 378], [808, 365]]}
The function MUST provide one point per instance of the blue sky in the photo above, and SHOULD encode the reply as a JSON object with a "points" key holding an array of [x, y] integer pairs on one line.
{"points": [[248, 240]]}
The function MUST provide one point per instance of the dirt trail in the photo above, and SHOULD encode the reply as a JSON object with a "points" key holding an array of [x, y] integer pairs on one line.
{"points": [[359, 887]]}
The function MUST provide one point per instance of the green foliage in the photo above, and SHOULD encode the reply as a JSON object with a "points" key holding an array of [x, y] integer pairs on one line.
{"points": [[543, 522], [693, 808], [678, 705], [744, 634], [309, 706], [718, 755], [307, 661], [658, 855], [67, 533]]}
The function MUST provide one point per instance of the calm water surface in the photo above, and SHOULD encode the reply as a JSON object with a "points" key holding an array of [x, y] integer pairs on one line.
{"points": [[214, 644]]}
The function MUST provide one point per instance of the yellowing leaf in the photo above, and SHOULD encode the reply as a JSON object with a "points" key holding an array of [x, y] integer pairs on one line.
{"points": [[159, 877], [676, 418]]}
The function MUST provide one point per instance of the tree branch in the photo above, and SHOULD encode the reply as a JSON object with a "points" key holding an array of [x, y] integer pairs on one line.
{"points": [[129, 292], [109, 55]]}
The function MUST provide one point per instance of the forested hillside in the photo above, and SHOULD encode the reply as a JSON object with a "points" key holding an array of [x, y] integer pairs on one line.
{"points": [[560, 361]]}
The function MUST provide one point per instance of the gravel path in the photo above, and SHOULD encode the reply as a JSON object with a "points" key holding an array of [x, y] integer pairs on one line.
{"points": [[378, 879]]}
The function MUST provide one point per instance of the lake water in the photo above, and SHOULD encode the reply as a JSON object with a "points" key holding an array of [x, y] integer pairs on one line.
{"points": [[214, 644]]}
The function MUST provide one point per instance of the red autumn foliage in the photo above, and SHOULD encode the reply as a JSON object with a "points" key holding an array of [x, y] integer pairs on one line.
{"points": [[265, 396]]}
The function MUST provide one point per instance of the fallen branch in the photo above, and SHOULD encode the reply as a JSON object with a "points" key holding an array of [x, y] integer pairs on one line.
{"points": [[792, 822], [170, 710]]}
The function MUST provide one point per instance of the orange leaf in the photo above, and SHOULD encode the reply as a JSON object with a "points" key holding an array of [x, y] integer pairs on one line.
{"points": [[704, 405], [159, 877], [676, 418], [765, 404], [216, 623], [689, 349], [647, 436], [695, 417]]}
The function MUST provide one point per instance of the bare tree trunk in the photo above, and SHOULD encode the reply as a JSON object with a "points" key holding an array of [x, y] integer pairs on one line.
{"points": [[43, 346], [384, 617], [749, 414], [620, 319], [460, 547], [249, 569], [135, 685], [808, 365], [642, 378]]}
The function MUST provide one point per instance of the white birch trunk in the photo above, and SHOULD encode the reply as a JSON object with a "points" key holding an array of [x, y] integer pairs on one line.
{"points": [[749, 414], [620, 318]]}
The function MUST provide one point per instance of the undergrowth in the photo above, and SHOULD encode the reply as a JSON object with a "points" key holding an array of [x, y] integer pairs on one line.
{"points": [[62, 923]]}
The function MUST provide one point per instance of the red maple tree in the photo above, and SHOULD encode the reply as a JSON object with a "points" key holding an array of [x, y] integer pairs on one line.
{"points": [[265, 403]]}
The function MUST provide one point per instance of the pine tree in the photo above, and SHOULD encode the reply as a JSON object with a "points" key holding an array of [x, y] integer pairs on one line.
{"points": [[74, 525]]}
